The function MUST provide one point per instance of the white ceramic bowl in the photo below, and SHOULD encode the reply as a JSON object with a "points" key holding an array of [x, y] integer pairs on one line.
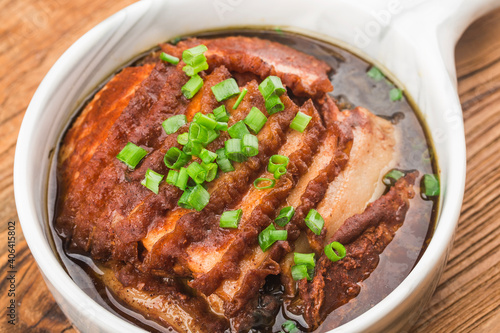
{"points": [[412, 39]]}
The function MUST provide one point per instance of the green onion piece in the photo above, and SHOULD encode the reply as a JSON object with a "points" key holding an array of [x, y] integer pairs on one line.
{"points": [[285, 216], [430, 184], [131, 155], [255, 120], [230, 219], [172, 177], [290, 327], [212, 135], [183, 200], [333, 247], [182, 139], [207, 156], [274, 104], [277, 161], [272, 85], [192, 55], [392, 176], [198, 198], [250, 145], [300, 272], [221, 126], [205, 121], [375, 74], [172, 124], [396, 94], [182, 179], [225, 89], [169, 58], [314, 221], [192, 148], [240, 98], [198, 133], [223, 162], [192, 86], [234, 150], [238, 130], [270, 235], [196, 172], [257, 182], [279, 172], [304, 259], [175, 158], [191, 70], [300, 122], [221, 114], [211, 169], [152, 180]]}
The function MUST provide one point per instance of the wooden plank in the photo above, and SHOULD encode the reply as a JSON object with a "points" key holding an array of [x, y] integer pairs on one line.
{"points": [[34, 34]]}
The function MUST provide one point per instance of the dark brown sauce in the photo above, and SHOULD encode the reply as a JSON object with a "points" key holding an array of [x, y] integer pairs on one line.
{"points": [[352, 88]]}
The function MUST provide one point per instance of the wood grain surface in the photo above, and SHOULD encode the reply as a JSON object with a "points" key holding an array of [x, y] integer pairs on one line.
{"points": [[33, 34]]}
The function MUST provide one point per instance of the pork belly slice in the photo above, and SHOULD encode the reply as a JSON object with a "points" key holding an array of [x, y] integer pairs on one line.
{"points": [[163, 301], [364, 236], [168, 253], [305, 75]]}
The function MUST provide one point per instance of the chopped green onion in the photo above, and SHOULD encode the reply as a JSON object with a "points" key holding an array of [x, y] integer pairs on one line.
{"points": [[314, 221], [289, 326], [221, 114], [211, 169], [234, 150], [250, 145], [197, 172], [182, 179], [257, 182], [270, 235], [175, 158], [300, 122], [192, 148], [277, 161], [169, 58], [396, 94], [333, 247], [192, 86], [238, 130], [274, 104], [207, 156], [255, 120], [279, 172], [285, 216], [182, 139], [205, 121], [392, 176], [212, 135], [172, 124], [300, 272], [197, 197], [152, 180], [221, 126], [240, 98], [272, 85], [230, 219], [198, 133], [172, 177], [131, 155], [375, 74], [191, 70], [223, 162], [430, 185], [191, 55], [183, 200], [225, 89], [304, 259]]}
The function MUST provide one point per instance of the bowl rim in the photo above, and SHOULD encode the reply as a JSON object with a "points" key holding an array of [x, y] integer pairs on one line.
{"points": [[56, 276]]}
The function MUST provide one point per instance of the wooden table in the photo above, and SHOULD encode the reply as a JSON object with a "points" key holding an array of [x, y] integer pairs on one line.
{"points": [[34, 34]]}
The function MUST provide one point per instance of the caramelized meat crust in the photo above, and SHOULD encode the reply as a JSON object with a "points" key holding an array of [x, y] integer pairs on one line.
{"points": [[176, 265]]}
